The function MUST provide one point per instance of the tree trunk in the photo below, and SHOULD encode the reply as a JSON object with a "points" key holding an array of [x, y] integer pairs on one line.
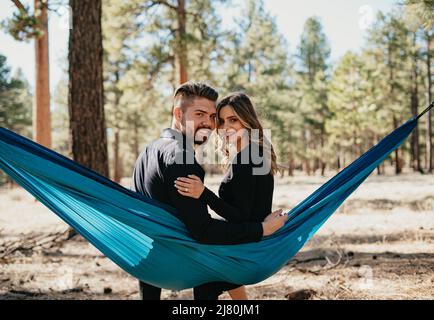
{"points": [[291, 163], [322, 141], [41, 100], [374, 142], [414, 104], [86, 95], [305, 161], [397, 161], [429, 134], [392, 98], [136, 140], [117, 161], [182, 39]]}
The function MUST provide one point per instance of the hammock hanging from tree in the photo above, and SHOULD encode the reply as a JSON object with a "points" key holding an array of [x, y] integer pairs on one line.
{"points": [[144, 239]]}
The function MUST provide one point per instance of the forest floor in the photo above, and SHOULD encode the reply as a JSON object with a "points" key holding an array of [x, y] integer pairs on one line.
{"points": [[378, 245]]}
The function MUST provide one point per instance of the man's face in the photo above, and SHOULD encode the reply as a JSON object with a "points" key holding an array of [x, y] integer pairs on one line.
{"points": [[199, 119]]}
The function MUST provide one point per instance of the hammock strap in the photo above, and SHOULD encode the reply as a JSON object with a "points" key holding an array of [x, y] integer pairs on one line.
{"points": [[426, 110]]}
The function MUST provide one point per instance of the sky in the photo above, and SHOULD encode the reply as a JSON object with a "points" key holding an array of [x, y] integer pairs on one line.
{"points": [[344, 21]]}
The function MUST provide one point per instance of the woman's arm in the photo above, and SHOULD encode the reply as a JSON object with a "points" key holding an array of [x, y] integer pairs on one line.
{"points": [[243, 185], [224, 209], [242, 182]]}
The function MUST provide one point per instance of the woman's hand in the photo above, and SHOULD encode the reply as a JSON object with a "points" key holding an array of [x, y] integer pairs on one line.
{"points": [[273, 222], [190, 187]]}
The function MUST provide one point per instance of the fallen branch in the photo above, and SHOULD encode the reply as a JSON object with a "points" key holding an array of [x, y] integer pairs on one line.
{"points": [[34, 242], [329, 266]]}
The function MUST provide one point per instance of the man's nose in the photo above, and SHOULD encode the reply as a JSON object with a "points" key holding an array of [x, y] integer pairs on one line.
{"points": [[210, 122]]}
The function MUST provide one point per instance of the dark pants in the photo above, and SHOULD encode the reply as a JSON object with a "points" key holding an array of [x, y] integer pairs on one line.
{"points": [[207, 291]]}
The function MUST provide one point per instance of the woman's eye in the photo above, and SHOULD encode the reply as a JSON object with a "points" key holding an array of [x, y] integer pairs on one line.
{"points": [[233, 120]]}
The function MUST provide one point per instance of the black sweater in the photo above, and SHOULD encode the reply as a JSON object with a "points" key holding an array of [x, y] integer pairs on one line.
{"points": [[244, 196], [155, 172]]}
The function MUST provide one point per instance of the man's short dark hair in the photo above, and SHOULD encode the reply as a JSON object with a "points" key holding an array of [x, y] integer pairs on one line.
{"points": [[187, 91]]}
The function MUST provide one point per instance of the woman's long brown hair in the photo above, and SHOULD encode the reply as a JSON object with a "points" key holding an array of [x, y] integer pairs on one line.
{"points": [[245, 111]]}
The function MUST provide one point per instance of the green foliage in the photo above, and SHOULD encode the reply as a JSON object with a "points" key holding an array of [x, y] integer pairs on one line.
{"points": [[313, 50], [317, 112], [350, 128], [422, 11], [23, 25], [61, 140], [257, 62], [15, 103], [15, 100]]}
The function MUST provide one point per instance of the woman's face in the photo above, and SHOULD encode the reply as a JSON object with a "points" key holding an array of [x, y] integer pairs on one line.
{"points": [[229, 125]]}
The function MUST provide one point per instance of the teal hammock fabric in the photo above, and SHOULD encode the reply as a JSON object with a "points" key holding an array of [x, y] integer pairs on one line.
{"points": [[147, 241]]}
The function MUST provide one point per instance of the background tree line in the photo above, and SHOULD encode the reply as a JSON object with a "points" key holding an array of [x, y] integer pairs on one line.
{"points": [[117, 96]]}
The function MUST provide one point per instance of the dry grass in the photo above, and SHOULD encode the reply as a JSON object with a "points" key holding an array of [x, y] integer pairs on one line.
{"points": [[379, 245]]}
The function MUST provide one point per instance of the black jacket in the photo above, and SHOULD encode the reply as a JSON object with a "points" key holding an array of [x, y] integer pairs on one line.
{"points": [[155, 172]]}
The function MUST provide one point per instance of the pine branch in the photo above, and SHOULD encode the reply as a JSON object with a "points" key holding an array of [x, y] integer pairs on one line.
{"points": [[165, 3], [19, 5]]}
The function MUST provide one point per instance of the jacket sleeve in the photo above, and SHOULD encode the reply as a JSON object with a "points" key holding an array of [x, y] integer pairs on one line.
{"points": [[194, 213]]}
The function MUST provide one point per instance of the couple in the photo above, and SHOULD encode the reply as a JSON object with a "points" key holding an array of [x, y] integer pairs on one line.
{"points": [[168, 171]]}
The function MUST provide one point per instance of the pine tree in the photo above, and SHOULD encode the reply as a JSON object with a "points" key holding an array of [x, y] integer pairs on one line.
{"points": [[257, 62], [15, 103], [86, 95], [24, 26], [387, 38], [180, 31], [421, 13], [311, 86], [15, 100], [351, 129]]}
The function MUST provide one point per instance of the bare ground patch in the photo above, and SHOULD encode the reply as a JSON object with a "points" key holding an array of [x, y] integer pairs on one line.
{"points": [[379, 245]]}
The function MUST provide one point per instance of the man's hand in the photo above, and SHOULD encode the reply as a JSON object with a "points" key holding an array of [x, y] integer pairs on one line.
{"points": [[190, 187], [273, 222]]}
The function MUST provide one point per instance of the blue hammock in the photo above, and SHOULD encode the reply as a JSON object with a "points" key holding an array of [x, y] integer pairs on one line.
{"points": [[146, 240]]}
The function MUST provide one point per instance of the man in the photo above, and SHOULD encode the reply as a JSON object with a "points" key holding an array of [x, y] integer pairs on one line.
{"points": [[173, 156]]}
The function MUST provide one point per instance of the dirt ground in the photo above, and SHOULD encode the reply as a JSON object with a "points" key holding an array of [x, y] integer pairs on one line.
{"points": [[378, 245]]}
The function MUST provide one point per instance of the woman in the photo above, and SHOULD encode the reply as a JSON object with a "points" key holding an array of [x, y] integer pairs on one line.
{"points": [[246, 192]]}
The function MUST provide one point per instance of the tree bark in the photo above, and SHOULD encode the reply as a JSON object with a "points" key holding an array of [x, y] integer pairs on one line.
{"points": [[291, 163], [41, 100], [429, 134], [414, 104], [391, 92], [305, 161], [397, 160], [136, 139], [117, 161], [182, 42], [86, 94], [322, 162]]}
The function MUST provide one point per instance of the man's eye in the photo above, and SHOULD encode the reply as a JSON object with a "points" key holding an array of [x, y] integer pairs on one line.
{"points": [[213, 117], [199, 114]]}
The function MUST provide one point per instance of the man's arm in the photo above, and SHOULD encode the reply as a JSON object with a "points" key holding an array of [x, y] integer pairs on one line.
{"points": [[194, 214]]}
